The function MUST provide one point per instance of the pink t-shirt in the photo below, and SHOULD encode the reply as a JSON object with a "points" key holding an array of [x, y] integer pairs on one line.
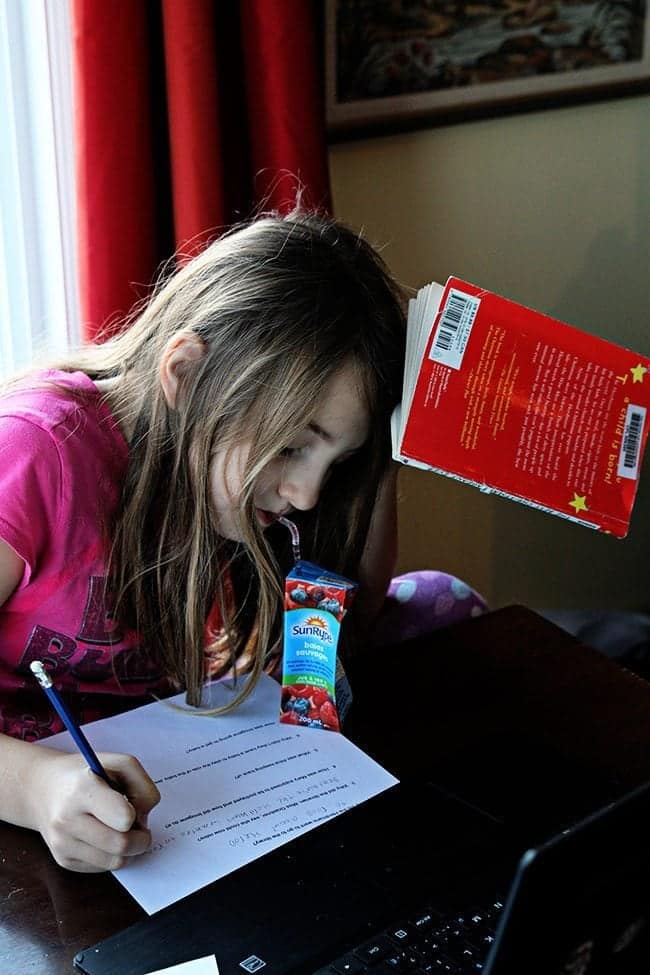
{"points": [[62, 464]]}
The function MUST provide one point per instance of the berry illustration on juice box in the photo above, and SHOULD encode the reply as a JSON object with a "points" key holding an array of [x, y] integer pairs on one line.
{"points": [[315, 602]]}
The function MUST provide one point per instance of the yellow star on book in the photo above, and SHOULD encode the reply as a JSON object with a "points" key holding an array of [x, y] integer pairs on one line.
{"points": [[638, 373], [579, 502]]}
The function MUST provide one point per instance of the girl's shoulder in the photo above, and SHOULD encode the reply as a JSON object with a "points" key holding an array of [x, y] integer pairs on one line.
{"points": [[48, 397], [66, 409]]}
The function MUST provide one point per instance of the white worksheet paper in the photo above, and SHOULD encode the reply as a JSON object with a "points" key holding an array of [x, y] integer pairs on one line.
{"points": [[233, 786]]}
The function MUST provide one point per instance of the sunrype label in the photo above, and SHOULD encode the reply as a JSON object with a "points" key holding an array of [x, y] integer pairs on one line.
{"points": [[310, 644], [314, 626]]}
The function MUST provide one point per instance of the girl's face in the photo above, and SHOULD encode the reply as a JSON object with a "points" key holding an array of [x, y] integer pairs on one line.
{"points": [[294, 479]]}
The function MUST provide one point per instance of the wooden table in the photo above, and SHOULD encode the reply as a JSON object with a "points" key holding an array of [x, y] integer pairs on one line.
{"points": [[476, 705]]}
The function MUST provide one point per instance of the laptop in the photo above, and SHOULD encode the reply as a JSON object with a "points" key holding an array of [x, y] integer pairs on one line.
{"points": [[412, 882]]}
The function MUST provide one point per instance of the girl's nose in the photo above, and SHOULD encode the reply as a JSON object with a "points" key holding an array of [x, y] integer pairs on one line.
{"points": [[303, 492]]}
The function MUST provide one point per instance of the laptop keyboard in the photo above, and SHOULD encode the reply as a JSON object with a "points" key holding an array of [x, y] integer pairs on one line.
{"points": [[425, 943]]}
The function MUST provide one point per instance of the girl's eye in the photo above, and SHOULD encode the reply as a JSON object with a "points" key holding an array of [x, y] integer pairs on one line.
{"points": [[291, 451]]}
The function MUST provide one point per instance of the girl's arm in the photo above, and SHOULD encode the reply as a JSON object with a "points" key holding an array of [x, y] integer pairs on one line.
{"points": [[11, 571], [380, 553], [87, 825]]}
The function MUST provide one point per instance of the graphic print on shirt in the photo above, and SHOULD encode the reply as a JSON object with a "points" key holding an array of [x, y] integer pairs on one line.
{"points": [[27, 718], [79, 665], [88, 658]]}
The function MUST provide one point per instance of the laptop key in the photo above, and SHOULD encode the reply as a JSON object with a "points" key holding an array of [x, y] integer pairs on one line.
{"points": [[493, 910], [470, 955], [384, 967], [446, 965], [427, 947], [371, 952], [404, 961], [348, 965], [424, 919], [478, 925]]}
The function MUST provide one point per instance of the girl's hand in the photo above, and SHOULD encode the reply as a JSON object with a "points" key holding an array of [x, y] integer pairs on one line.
{"points": [[88, 826]]}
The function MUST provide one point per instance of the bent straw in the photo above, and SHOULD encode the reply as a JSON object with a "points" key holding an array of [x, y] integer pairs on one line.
{"points": [[295, 536]]}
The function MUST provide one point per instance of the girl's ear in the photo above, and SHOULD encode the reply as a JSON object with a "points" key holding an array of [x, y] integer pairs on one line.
{"points": [[182, 351]]}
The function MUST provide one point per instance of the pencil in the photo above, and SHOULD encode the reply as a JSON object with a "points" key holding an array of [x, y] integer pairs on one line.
{"points": [[72, 726]]}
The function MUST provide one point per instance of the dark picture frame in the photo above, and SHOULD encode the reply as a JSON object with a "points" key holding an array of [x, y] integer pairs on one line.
{"points": [[394, 64]]}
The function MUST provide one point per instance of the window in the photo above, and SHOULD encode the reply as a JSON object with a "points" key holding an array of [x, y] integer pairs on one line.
{"points": [[38, 292]]}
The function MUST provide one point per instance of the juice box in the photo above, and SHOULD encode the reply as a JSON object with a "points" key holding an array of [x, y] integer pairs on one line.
{"points": [[315, 602]]}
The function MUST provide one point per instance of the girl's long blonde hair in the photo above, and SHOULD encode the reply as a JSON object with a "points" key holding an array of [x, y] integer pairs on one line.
{"points": [[280, 304]]}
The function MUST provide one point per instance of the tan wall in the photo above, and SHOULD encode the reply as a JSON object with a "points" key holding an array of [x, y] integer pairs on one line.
{"points": [[552, 209]]}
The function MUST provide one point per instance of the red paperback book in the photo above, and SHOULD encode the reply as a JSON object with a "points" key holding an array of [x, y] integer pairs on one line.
{"points": [[522, 405]]}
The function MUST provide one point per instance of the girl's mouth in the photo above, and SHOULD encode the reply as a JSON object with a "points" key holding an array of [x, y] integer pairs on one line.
{"points": [[265, 518]]}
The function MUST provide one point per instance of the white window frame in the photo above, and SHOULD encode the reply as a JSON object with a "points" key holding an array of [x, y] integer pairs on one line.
{"points": [[39, 306]]}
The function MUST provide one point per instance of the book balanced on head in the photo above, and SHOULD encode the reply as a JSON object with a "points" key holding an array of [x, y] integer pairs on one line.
{"points": [[522, 405]]}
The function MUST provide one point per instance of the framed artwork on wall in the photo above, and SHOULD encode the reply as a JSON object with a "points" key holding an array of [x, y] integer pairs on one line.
{"points": [[394, 64]]}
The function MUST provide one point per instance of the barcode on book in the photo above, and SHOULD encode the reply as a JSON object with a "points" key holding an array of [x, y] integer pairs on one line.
{"points": [[628, 459], [454, 328]]}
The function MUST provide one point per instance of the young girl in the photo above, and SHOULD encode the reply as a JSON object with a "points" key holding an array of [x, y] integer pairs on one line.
{"points": [[140, 486]]}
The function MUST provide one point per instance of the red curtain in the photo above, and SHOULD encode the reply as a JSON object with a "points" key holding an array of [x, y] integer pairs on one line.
{"points": [[189, 113]]}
